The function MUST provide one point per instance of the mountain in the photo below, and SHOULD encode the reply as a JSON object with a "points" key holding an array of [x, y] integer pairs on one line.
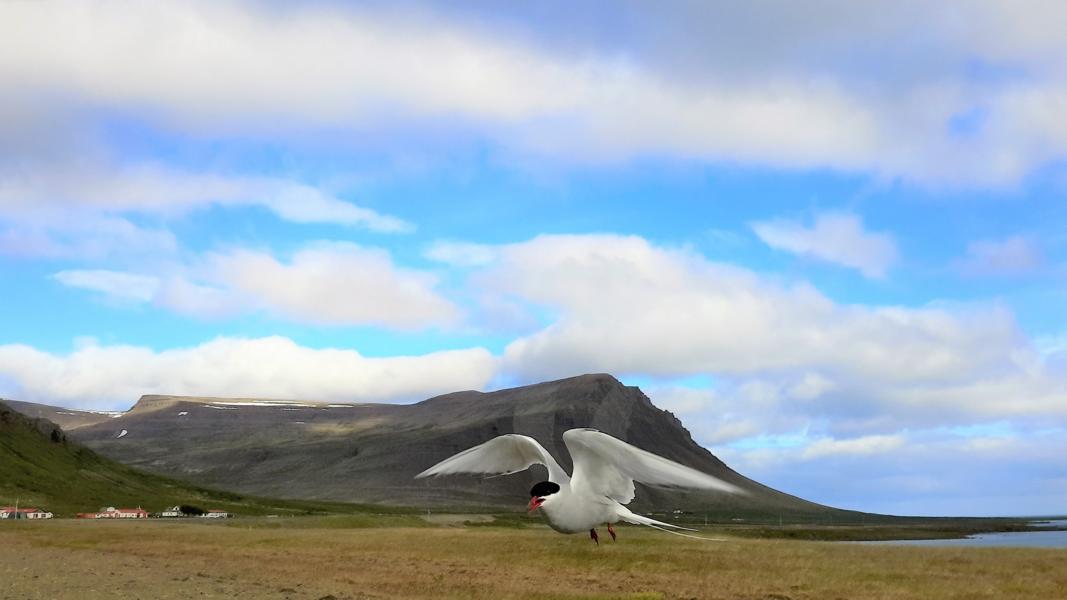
{"points": [[41, 466], [370, 452]]}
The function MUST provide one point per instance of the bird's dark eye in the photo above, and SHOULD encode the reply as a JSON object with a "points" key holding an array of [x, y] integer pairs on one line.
{"points": [[545, 488]]}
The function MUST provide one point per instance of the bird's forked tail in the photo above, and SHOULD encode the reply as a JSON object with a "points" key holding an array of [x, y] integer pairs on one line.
{"points": [[629, 516]]}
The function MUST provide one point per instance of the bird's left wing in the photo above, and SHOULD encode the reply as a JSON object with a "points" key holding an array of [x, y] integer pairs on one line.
{"points": [[501, 455], [607, 466]]}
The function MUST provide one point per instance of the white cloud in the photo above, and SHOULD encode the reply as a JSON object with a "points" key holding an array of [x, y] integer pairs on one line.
{"points": [[872, 444], [304, 204], [108, 377], [781, 353], [807, 99], [95, 210], [626, 306], [835, 238], [111, 283], [327, 283], [1014, 255], [335, 283], [59, 195]]}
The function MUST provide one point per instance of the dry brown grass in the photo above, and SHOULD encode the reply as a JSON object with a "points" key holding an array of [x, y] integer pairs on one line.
{"points": [[77, 559]]}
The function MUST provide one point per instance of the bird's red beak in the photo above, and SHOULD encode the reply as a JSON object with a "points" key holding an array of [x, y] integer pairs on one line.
{"points": [[535, 503]]}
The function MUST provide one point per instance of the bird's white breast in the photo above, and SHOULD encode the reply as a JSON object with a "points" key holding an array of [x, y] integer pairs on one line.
{"points": [[568, 512]]}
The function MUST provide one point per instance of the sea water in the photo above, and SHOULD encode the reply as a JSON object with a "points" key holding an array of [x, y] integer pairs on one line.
{"points": [[1018, 539]]}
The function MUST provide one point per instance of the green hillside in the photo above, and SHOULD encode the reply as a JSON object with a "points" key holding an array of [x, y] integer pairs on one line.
{"points": [[40, 467]]}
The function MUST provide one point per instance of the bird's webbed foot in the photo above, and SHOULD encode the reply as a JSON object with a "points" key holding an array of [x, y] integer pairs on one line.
{"points": [[611, 532], [593, 536]]}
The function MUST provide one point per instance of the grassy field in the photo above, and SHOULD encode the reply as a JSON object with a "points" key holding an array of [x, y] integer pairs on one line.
{"points": [[400, 556]]}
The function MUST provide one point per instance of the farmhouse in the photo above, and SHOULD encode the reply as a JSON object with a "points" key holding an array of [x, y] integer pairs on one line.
{"points": [[130, 513], [174, 511], [11, 512]]}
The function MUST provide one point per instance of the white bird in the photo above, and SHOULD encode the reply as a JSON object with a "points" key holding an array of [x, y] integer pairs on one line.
{"points": [[605, 469]]}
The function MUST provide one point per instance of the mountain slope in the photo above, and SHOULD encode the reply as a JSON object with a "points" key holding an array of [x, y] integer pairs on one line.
{"points": [[40, 466], [66, 418], [370, 452]]}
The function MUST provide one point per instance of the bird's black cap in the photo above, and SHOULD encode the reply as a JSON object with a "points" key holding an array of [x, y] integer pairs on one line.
{"points": [[544, 488]]}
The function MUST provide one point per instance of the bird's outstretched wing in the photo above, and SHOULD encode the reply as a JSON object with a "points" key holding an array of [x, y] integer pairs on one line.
{"points": [[606, 466], [501, 455]]}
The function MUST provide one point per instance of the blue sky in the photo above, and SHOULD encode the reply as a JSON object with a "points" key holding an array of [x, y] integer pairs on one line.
{"points": [[829, 237]]}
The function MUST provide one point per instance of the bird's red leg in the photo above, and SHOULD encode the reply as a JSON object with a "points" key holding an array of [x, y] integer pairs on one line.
{"points": [[593, 536], [611, 530]]}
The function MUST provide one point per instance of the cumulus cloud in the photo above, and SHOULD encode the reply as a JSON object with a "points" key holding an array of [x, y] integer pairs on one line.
{"points": [[835, 238], [112, 377], [622, 305], [1013, 255], [808, 99], [335, 283], [328, 283], [627, 306]]}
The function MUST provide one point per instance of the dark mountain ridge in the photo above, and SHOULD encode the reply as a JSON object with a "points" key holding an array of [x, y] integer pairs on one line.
{"points": [[371, 452]]}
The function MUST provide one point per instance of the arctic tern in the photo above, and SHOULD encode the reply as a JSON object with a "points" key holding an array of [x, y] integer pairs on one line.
{"points": [[605, 469]]}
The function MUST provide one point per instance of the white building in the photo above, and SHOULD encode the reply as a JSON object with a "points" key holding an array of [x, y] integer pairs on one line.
{"points": [[11, 512]]}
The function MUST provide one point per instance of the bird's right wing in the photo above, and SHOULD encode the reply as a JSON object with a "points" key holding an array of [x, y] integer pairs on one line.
{"points": [[607, 466], [501, 455]]}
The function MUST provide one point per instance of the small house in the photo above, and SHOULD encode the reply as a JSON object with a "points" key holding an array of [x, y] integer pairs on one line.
{"points": [[216, 513], [11, 512], [174, 511]]}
